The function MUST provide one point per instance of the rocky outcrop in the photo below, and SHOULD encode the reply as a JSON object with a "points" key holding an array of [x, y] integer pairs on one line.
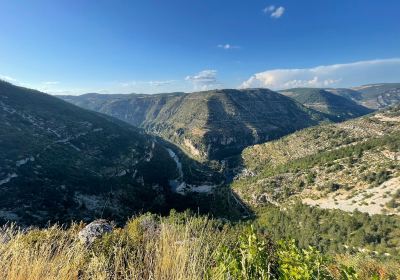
{"points": [[94, 230]]}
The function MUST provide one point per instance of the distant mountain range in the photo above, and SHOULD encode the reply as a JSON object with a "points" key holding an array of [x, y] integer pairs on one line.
{"points": [[374, 97], [220, 123], [339, 108], [378, 96], [211, 124]]}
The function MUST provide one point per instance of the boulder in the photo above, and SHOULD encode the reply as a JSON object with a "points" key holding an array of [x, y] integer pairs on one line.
{"points": [[94, 230]]}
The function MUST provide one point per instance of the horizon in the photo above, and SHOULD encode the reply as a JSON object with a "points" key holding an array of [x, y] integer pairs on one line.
{"points": [[199, 91], [119, 47]]}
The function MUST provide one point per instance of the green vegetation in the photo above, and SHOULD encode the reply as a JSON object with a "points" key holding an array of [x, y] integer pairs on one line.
{"points": [[330, 156], [212, 124], [180, 246], [59, 163], [332, 231], [337, 108], [344, 159]]}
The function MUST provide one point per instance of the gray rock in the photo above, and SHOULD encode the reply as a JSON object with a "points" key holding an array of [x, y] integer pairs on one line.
{"points": [[4, 237], [94, 230], [149, 224]]}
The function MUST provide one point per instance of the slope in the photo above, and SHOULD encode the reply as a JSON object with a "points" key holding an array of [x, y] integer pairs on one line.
{"points": [[59, 162], [349, 166], [208, 125], [337, 107], [377, 96]]}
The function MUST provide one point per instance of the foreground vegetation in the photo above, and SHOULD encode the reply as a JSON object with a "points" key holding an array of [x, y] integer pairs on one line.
{"points": [[332, 231], [181, 246]]}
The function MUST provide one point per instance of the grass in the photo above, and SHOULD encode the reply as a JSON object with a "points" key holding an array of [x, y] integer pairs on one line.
{"points": [[180, 246], [172, 250]]}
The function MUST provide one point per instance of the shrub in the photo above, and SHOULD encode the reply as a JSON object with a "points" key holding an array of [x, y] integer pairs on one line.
{"points": [[250, 258], [295, 263]]}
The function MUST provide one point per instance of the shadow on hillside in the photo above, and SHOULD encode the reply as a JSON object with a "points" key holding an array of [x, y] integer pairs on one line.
{"points": [[221, 203], [228, 133]]}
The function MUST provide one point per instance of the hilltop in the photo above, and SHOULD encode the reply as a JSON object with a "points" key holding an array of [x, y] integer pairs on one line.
{"points": [[338, 108], [211, 124], [378, 96]]}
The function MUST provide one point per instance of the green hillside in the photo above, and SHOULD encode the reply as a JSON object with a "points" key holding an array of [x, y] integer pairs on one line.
{"points": [[337, 107], [208, 125], [351, 165], [59, 162]]}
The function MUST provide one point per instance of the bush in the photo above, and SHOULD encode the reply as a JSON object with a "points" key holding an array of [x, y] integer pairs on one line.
{"points": [[392, 204], [295, 263], [250, 258]]}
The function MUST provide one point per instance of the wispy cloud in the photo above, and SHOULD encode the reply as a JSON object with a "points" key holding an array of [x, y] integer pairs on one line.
{"points": [[269, 9], [274, 12], [146, 83], [51, 83], [204, 80], [161, 83], [336, 75], [227, 46], [127, 84], [7, 78]]}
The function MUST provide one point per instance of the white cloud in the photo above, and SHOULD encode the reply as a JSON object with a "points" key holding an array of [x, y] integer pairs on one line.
{"points": [[227, 46], [278, 12], [161, 83], [146, 83], [269, 9], [7, 78], [205, 79], [51, 83], [336, 75], [128, 84], [274, 12]]}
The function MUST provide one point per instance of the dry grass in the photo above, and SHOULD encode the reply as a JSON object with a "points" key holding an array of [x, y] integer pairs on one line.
{"points": [[173, 250], [367, 267], [148, 247]]}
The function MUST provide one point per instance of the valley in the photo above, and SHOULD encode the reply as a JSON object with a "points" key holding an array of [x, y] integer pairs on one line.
{"points": [[305, 164], [210, 125], [199, 140], [61, 163]]}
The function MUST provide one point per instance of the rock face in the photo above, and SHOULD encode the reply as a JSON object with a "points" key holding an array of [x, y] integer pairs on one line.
{"points": [[211, 124], [94, 230], [378, 96]]}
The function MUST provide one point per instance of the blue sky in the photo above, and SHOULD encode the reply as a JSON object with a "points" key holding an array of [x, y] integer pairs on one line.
{"points": [[184, 45]]}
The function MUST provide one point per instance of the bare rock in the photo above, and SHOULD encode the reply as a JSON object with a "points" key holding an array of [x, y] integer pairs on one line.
{"points": [[94, 230]]}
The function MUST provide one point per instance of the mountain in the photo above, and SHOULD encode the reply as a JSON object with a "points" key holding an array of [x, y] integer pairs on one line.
{"points": [[348, 93], [339, 108], [378, 96], [212, 124], [60, 162], [353, 165]]}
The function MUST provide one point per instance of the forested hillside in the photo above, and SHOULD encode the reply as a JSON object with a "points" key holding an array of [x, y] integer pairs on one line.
{"points": [[211, 124]]}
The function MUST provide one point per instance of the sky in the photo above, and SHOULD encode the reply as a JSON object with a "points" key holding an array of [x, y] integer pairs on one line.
{"points": [[152, 46]]}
